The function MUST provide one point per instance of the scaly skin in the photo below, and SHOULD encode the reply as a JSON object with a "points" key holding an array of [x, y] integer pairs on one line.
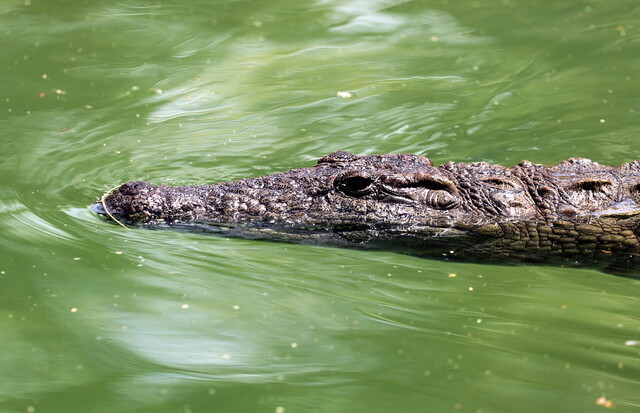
{"points": [[576, 213]]}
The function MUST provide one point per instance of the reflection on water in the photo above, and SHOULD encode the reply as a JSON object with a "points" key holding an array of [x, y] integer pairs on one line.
{"points": [[96, 318]]}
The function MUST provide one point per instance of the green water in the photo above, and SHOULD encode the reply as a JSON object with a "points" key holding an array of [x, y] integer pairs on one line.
{"points": [[94, 318]]}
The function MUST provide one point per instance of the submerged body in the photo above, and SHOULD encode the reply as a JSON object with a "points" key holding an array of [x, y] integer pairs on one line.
{"points": [[576, 213]]}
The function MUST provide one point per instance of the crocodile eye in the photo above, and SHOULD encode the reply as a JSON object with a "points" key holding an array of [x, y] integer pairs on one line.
{"points": [[591, 193], [592, 185], [354, 185]]}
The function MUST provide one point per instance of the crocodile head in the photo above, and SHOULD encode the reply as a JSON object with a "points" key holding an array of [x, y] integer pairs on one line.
{"points": [[577, 210], [357, 197]]}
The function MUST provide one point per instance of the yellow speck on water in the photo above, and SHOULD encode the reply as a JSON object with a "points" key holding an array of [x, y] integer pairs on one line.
{"points": [[74, 310], [470, 288], [184, 306], [226, 356], [294, 345], [236, 307], [602, 401], [345, 95], [118, 252], [434, 38], [452, 275], [279, 409], [602, 121], [31, 409]]}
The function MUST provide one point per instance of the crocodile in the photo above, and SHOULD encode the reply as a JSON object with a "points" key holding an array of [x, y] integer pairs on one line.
{"points": [[576, 213]]}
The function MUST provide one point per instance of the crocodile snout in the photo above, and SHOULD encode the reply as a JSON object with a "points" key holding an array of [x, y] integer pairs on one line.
{"points": [[98, 208]]}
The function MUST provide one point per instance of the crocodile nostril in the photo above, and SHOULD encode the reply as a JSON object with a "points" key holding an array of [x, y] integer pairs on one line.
{"points": [[132, 188]]}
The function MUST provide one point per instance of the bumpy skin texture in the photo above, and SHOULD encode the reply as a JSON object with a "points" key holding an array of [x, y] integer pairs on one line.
{"points": [[576, 213]]}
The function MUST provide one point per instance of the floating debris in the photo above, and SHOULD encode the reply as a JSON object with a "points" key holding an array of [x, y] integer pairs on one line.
{"points": [[602, 401]]}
